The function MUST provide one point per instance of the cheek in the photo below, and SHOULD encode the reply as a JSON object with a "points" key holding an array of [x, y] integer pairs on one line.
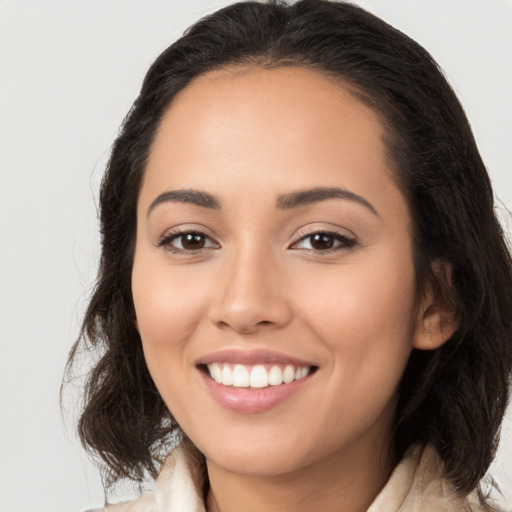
{"points": [[367, 325], [365, 315], [168, 307], [376, 294]]}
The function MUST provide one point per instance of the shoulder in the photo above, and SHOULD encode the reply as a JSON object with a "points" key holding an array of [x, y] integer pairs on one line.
{"points": [[417, 485], [177, 488], [144, 503]]}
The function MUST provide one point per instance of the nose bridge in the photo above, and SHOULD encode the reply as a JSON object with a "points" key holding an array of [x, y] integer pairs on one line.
{"points": [[250, 297]]}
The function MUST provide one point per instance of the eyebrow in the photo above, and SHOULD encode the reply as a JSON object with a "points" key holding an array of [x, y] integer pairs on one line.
{"points": [[284, 201], [189, 196], [315, 195]]}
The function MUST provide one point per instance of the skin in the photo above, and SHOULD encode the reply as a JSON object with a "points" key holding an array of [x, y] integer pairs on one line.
{"points": [[247, 137]]}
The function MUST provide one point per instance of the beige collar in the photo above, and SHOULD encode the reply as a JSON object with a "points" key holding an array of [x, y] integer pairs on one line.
{"points": [[416, 485]]}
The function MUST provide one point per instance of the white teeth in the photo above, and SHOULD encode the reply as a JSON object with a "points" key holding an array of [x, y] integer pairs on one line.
{"points": [[275, 376], [288, 374], [240, 376], [227, 376], [215, 372], [257, 376]]}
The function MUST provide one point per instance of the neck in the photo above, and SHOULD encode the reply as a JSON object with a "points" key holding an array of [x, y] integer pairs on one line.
{"points": [[351, 478]]}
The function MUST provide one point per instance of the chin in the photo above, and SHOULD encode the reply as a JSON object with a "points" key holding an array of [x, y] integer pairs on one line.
{"points": [[255, 458], [250, 464]]}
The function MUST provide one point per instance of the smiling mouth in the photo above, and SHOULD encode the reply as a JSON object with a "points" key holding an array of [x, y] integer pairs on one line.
{"points": [[258, 376]]}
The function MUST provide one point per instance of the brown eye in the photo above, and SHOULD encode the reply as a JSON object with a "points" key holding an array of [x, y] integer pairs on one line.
{"points": [[189, 241], [324, 242]]}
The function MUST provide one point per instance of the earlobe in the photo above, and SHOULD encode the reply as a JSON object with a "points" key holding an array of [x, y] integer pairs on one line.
{"points": [[437, 326], [437, 321]]}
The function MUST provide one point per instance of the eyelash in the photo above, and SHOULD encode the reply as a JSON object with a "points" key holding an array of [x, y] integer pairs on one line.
{"points": [[167, 240], [344, 242]]}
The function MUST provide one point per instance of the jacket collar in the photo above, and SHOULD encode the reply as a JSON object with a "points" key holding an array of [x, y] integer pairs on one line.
{"points": [[416, 485]]}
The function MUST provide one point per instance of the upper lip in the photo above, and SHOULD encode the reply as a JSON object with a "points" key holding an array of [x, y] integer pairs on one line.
{"points": [[251, 357]]}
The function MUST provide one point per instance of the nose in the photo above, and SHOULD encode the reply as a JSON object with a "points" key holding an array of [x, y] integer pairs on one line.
{"points": [[251, 296]]}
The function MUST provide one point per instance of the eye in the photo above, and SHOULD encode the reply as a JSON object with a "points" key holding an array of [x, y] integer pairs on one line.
{"points": [[187, 241], [324, 241]]}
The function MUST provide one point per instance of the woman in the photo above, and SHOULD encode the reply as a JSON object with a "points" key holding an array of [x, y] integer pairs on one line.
{"points": [[302, 276]]}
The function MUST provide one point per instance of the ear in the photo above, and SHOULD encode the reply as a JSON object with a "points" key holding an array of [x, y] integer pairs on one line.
{"points": [[437, 321]]}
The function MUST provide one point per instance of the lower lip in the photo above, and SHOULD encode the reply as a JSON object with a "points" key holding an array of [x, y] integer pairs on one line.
{"points": [[252, 400]]}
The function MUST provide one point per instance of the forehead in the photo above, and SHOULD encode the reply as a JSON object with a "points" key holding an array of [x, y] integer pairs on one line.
{"points": [[272, 98], [280, 128]]}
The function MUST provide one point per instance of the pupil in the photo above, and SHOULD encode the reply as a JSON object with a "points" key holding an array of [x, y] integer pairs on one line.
{"points": [[322, 241], [193, 241]]}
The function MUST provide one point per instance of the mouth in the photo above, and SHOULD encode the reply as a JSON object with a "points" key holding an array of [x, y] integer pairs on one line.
{"points": [[255, 376], [251, 382]]}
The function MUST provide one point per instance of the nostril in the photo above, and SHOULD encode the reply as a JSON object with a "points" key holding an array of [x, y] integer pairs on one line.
{"points": [[223, 325]]}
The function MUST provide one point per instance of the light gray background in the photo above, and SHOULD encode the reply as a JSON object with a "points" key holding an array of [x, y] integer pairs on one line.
{"points": [[69, 71]]}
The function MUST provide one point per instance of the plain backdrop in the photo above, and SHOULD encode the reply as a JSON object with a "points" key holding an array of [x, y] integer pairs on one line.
{"points": [[69, 71]]}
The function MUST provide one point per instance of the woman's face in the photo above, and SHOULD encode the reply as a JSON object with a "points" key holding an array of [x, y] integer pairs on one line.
{"points": [[274, 252]]}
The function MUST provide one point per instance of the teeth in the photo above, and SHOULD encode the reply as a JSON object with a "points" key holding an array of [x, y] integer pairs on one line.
{"points": [[227, 376], [257, 376], [288, 374], [240, 376], [216, 373], [275, 376]]}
